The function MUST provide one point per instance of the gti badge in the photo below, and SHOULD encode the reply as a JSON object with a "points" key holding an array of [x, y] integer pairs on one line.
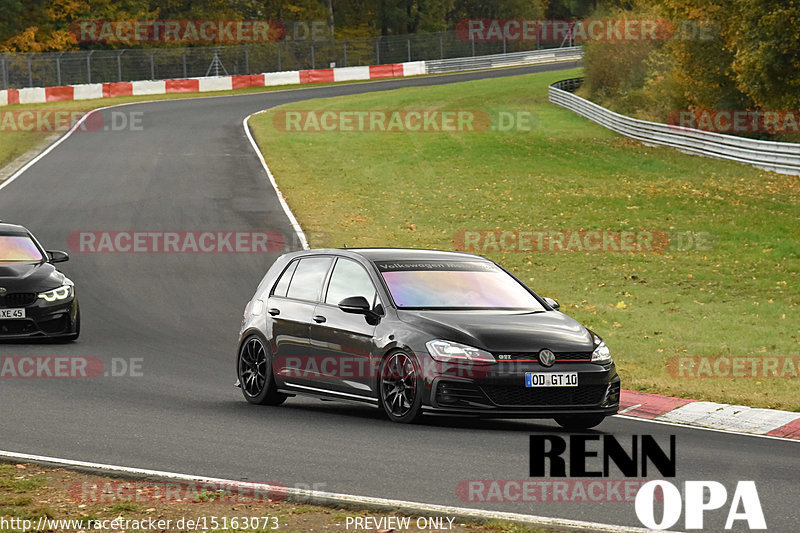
{"points": [[547, 358]]}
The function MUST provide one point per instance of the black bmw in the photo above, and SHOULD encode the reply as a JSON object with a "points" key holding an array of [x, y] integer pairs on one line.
{"points": [[36, 300], [420, 332]]}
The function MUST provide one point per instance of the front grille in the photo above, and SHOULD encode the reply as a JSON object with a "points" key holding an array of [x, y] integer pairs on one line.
{"points": [[454, 393], [571, 396], [534, 356], [17, 299]]}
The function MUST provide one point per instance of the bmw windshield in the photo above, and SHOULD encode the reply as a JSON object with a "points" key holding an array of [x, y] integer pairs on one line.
{"points": [[19, 248], [454, 285]]}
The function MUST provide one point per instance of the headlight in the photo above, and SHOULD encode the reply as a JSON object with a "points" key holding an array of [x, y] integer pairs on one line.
{"points": [[601, 353], [61, 293], [448, 352]]}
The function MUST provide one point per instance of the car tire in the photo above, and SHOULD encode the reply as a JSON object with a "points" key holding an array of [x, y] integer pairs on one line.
{"points": [[400, 388], [254, 370], [579, 421]]}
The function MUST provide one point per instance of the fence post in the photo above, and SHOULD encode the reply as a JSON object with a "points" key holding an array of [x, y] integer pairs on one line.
{"points": [[504, 43], [279, 57], [30, 70], [472, 38], [58, 67], [408, 45], [313, 59], [378, 50], [247, 59], [441, 46], [183, 61], [89, 66], [119, 65], [5, 71], [344, 49], [152, 65]]}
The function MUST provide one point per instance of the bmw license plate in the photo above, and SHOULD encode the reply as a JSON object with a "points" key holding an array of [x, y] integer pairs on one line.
{"points": [[12, 313], [551, 379]]}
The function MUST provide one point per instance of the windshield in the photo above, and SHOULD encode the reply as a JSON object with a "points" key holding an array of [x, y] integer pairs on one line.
{"points": [[454, 285], [18, 248]]}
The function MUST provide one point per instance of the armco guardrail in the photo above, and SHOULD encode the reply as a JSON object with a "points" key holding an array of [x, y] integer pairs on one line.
{"points": [[571, 53], [783, 158]]}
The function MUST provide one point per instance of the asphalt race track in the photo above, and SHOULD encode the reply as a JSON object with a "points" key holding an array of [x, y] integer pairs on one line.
{"points": [[192, 168]]}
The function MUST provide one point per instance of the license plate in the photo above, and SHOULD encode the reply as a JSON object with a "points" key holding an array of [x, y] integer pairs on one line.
{"points": [[551, 379], [12, 313]]}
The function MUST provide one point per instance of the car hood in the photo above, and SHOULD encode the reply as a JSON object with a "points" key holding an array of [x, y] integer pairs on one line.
{"points": [[29, 277], [504, 331]]}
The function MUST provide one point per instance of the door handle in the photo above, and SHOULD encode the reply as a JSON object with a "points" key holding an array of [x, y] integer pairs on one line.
{"points": [[274, 311], [319, 319]]}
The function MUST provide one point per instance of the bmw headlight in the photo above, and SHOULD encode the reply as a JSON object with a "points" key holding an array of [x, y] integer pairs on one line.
{"points": [[453, 352], [61, 293], [601, 354]]}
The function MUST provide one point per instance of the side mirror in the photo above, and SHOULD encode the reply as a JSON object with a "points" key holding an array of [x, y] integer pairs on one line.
{"points": [[57, 256], [358, 305], [552, 303]]}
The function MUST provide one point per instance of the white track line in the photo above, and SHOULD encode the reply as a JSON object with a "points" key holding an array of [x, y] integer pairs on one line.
{"points": [[703, 428], [286, 209], [331, 498]]}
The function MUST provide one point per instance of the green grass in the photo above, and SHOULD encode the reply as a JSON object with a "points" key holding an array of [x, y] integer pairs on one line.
{"points": [[738, 297]]}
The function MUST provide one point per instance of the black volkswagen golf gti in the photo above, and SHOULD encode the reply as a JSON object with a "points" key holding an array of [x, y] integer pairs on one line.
{"points": [[420, 332], [36, 300]]}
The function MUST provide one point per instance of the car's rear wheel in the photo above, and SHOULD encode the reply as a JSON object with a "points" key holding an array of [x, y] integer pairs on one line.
{"points": [[401, 388], [579, 421], [255, 374]]}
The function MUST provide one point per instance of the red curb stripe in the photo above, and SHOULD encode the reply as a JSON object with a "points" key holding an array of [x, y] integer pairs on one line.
{"points": [[111, 90], [789, 431], [316, 76], [59, 94], [244, 81], [644, 405], [386, 71], [13, 96], [182, 86]]}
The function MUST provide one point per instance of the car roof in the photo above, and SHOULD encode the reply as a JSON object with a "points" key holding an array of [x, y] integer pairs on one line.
{"points": [[12, 228], [397, 254]]}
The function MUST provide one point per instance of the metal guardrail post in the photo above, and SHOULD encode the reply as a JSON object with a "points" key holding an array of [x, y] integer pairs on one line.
{"points": [[89, 66], [58, 68], [119, 65], [5, 71]]}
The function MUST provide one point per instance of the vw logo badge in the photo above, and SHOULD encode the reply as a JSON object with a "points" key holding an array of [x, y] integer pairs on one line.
{"points": [[547, 358], [2, 290]]}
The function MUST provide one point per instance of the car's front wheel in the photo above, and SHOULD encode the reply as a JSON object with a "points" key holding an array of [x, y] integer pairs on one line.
{"points": [[255, 374], [579, 421], [401, 388]]}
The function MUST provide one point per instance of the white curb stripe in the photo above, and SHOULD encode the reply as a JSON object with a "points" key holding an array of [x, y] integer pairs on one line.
{"points": [[286, 209], [730, 417], [341, 499]]}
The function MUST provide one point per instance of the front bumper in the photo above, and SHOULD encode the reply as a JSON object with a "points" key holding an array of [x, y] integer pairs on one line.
{"points": [[499, 391], [42, 319]]}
